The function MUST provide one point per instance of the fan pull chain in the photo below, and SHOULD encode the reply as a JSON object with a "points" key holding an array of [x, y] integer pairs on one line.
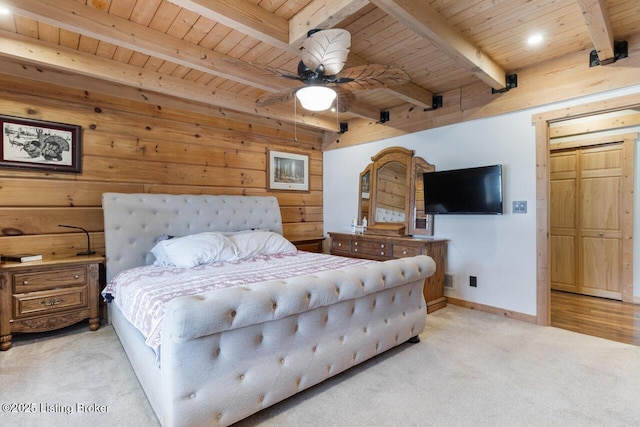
{"points": [[338, 111], [295, 119]]}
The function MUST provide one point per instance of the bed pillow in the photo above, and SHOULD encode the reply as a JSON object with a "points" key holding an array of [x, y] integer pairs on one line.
{"points": [[195, 249], [252, 243]]}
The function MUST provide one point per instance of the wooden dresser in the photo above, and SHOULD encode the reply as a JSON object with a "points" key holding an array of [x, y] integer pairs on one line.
{"points": [[49, 294], [381, 248]]}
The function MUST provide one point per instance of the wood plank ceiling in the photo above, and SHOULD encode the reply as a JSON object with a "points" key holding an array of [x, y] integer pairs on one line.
{"points": [[197, 50]]}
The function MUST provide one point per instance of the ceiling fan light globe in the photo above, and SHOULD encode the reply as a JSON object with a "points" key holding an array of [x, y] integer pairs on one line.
{"points": [[316, 98]]}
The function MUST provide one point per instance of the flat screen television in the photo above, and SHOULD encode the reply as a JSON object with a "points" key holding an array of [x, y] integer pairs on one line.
{"points": [[464, 191]]}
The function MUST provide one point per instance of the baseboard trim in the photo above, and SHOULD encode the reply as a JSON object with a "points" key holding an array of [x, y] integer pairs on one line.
{"points": [[493, 310]]}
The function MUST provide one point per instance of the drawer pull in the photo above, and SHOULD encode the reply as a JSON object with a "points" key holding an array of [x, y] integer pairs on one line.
{"points": [[25, 282], [54, 301], [355, 243], [382, 253], [381, 246], [404, 252], [355, 250], [339, 244], [75, 276]]}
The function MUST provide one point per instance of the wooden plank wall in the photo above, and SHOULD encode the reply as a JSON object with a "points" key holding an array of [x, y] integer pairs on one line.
{"points": [[135, 147]]}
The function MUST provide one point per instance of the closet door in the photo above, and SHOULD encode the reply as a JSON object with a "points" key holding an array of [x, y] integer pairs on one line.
{"points": [[564, 220], [600, 213], [587, 239]]}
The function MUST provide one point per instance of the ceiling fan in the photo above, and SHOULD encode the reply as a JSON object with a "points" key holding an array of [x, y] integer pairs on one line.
{"points": [[323, 57]]}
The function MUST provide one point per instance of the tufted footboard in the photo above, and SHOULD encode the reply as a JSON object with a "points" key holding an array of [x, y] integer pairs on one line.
{"points": [[228, 354]]}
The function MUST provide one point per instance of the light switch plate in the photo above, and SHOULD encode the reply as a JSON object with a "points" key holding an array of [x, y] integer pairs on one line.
{"points": [[520, 206]]}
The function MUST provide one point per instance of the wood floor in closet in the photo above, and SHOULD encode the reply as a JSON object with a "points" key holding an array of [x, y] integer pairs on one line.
{"points": [[600, 317]]}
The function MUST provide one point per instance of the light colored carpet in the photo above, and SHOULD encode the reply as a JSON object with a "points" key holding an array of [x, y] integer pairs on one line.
{"points": [[471, 369]]}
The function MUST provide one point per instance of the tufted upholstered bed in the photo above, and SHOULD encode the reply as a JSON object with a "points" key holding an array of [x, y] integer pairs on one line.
{"points": [[229, 353]]}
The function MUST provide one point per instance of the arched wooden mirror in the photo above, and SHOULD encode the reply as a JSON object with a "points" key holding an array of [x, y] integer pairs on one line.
{"points": [[394, 202], [390, 195]]}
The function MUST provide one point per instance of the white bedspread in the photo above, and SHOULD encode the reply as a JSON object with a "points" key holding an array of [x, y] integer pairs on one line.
{"points": [[142, 293]]}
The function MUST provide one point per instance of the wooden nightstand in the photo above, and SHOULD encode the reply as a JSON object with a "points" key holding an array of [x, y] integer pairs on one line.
{"points": [[49, 294], [307, 243]]}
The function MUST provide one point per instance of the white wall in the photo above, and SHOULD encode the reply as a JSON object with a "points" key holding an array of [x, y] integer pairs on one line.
{"points": [[499, 249]]}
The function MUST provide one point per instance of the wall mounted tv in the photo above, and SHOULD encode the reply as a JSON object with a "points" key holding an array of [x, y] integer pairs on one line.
{"points": [[475, 191]]}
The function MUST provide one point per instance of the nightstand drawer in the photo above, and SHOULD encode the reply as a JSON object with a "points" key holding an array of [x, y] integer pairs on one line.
{"points": [[49, 278], [36, 303], [308, 244], [310, 247]]}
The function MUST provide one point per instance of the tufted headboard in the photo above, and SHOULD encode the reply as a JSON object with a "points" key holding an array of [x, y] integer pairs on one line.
{"points": [[133, 222]]}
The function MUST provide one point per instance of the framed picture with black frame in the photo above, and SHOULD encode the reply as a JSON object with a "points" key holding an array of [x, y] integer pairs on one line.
{"points": [[31, 144]]}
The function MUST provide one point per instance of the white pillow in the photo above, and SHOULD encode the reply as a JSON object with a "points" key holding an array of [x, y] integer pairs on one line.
{"points": [[252, 243], [195, 249]]}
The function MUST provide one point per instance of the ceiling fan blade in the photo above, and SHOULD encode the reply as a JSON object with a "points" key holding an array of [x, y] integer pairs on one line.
{"points": [[262, 69], [328, 48], [276, 98], [371, 76]]}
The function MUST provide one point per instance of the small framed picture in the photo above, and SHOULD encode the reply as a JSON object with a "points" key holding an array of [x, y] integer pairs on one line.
{"points": [[40, 145], [287, 171]]}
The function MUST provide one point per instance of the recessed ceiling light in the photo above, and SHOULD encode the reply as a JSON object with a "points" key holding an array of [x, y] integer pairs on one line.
{"points": [[534, 40]]}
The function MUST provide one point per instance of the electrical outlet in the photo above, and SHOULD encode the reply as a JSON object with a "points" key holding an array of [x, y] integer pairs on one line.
{"points": [[473, 281]]}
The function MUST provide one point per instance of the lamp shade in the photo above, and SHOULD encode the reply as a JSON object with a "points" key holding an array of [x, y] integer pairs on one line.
{"points": [[316, 98]]}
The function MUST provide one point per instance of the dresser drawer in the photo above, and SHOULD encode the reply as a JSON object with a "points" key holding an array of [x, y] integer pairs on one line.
{"points": [[341, 243], [401, 251], [36, 303], [372, 248], [36, 280]]}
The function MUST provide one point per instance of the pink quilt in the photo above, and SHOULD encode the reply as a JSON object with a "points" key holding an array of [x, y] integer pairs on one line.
{"points": [[142, 293]]}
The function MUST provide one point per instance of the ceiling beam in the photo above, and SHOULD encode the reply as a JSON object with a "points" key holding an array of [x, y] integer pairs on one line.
{"points": [[321, 14], [413, 94], [21, 48], [363, 111], [244, 16], [425, 21], [596, 16]]}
